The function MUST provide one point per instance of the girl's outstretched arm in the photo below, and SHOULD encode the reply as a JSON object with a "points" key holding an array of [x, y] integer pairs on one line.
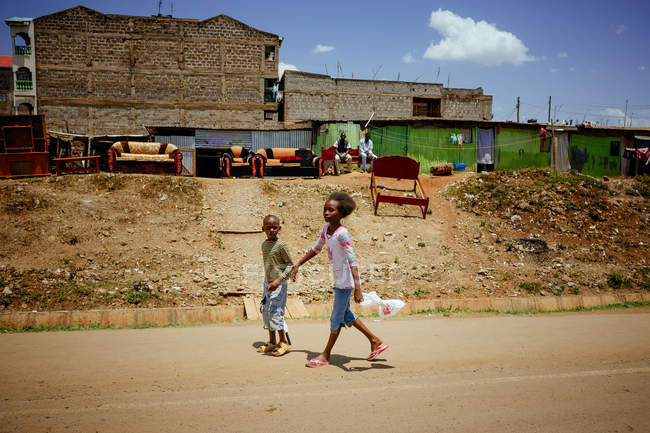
{"points": [[294, 271]]}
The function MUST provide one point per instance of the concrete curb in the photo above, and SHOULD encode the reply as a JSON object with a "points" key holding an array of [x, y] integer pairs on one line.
{"points": [[197, 315]]}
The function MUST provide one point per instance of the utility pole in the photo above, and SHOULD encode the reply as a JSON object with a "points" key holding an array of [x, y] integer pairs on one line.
{"points": [[549, 110], [625, 117], [517, 109]]}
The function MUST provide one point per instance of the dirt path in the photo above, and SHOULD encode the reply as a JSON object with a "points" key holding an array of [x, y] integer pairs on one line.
{"points": [[572, 373]]}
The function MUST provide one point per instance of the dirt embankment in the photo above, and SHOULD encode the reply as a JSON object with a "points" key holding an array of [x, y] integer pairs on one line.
{"points": [[108, 241]]}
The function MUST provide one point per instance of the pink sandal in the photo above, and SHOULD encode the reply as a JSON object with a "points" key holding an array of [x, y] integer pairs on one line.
{"points": [[375, 353], [314, 363]]}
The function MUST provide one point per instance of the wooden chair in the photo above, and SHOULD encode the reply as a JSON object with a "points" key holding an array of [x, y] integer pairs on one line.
{"points": [[401, 168]]}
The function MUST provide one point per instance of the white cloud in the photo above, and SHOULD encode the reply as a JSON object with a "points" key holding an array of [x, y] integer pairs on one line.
{"points": [[553, 70], [480, 42], [613, 112], [620, 28], [543, 58], [572, 69], [408, 58], [563, 55], [285, 67], [642, 68], [323, 48]]}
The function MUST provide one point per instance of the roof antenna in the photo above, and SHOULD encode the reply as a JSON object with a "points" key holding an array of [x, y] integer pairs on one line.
{"points": [[327, 73], [438, 74], [418, 77], [375, 72], [398, 76], [159, 6], [171, 13]]}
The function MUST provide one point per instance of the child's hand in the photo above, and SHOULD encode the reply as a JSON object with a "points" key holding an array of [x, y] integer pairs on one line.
{"points": [[358, 297], [294, 272], [273, 285]]}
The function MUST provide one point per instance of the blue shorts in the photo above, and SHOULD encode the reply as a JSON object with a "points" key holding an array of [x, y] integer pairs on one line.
{"points": [[273, 307], [341, 314]]}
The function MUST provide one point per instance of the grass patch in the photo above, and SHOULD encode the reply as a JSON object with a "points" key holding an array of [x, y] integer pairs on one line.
{"points": [[531, 287]]}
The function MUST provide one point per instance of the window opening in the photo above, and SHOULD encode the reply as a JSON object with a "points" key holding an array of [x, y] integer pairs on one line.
{"points": [[426, 107], [270, 89], [269, 53]]}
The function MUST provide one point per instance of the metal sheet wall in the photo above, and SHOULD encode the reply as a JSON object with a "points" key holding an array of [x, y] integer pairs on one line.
{"points": [[180, 141], [294, 139], [221, 139]]}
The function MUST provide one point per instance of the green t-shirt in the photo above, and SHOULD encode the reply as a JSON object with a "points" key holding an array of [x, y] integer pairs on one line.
{"points": [[277, 260]]}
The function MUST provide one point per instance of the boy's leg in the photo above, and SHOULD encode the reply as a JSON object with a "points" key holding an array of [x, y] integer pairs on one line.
{"points": [[277, 303], [363, 160]]}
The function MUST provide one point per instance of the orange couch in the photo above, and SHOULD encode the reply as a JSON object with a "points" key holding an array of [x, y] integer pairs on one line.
{"points": [[144, 157], [238, 159], [279, 161]]}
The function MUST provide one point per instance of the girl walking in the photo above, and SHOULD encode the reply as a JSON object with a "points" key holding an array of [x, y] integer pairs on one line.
{"points": [[346, 276]]}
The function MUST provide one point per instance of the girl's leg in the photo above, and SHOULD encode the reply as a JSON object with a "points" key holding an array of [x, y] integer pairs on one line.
{"points": [[325, 355], [375, 341]]}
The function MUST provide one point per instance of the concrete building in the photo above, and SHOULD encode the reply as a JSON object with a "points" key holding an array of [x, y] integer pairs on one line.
{"points": [[24, 65], [318, 97], [93, 73], [6, 85]]}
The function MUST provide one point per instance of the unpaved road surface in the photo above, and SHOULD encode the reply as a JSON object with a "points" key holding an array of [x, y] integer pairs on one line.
{"points": [[582, 372]]}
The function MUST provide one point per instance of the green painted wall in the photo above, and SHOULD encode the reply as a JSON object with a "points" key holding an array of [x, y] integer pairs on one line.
{"points": [[433, 146], [519, 148], [327, 139], [590, 155]]}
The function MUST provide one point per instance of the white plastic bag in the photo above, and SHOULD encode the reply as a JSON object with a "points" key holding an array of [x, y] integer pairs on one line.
{"points": [[387, 308]]}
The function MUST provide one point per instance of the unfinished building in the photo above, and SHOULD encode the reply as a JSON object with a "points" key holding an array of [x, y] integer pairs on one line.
{"points": [[101, 74], [323, 98]]}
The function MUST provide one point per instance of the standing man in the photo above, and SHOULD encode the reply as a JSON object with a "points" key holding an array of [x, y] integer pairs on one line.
{"points": [[342, 153], [365, 150]]}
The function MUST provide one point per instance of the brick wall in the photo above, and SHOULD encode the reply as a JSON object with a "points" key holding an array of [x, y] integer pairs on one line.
{"points": [[112, 74], [320, 97]]}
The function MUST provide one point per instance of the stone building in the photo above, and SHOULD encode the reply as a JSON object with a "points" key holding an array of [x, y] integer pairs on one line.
{"points": [[323, 98], [6, 85], [100, 74]]}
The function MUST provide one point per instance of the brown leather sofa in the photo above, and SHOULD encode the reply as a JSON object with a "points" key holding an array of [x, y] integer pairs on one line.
{"points": [[279, 161]]}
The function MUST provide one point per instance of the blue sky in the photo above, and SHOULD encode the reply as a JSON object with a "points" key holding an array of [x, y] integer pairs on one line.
{"points": [[590, 56]]}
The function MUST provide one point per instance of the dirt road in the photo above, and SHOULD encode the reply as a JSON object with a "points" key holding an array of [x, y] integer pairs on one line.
{"points": [[586, 372]]}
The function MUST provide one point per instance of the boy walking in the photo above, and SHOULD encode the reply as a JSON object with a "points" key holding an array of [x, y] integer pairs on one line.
{"points": [[277, 268]]}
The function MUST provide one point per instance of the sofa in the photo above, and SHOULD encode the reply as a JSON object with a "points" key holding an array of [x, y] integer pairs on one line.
{"points": [[143, 157], [329, 153], [238, 161], [279, 161]]}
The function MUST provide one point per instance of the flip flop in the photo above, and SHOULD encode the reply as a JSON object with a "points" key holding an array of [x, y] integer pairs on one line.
{"points": [[314, 363], [375, 353]]}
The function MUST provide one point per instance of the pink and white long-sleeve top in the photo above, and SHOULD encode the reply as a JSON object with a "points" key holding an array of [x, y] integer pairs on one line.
{"points": [[340, 253]]}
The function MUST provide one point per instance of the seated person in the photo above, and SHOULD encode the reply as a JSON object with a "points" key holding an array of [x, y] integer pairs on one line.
{"points": [[365, 151], [342, 153]]}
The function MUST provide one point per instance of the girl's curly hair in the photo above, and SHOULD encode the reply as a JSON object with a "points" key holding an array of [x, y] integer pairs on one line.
{"points": [[346, 203]]}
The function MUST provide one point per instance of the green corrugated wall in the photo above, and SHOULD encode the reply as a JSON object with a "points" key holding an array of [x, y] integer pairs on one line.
{"points": [[590, 155], [514, 148], [518, 148], [327, 139]]}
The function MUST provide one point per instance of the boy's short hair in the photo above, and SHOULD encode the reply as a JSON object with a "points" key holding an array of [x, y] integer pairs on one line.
{"points": [[270, 217], [346, 203]]}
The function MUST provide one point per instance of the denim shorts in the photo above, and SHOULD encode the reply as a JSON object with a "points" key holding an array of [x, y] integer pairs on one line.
{"points": [[341, 314], [273, 305]]}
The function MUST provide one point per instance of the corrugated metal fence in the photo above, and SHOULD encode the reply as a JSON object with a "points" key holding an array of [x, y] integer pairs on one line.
{"points": [[186, 144], [295, 138]]}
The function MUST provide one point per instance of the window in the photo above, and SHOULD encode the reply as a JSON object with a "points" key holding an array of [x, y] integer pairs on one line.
{"points": [[3, 97], [269, 53], [22, 44], [426, 107], [270, 89], [23, 79], [614, 148]]}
